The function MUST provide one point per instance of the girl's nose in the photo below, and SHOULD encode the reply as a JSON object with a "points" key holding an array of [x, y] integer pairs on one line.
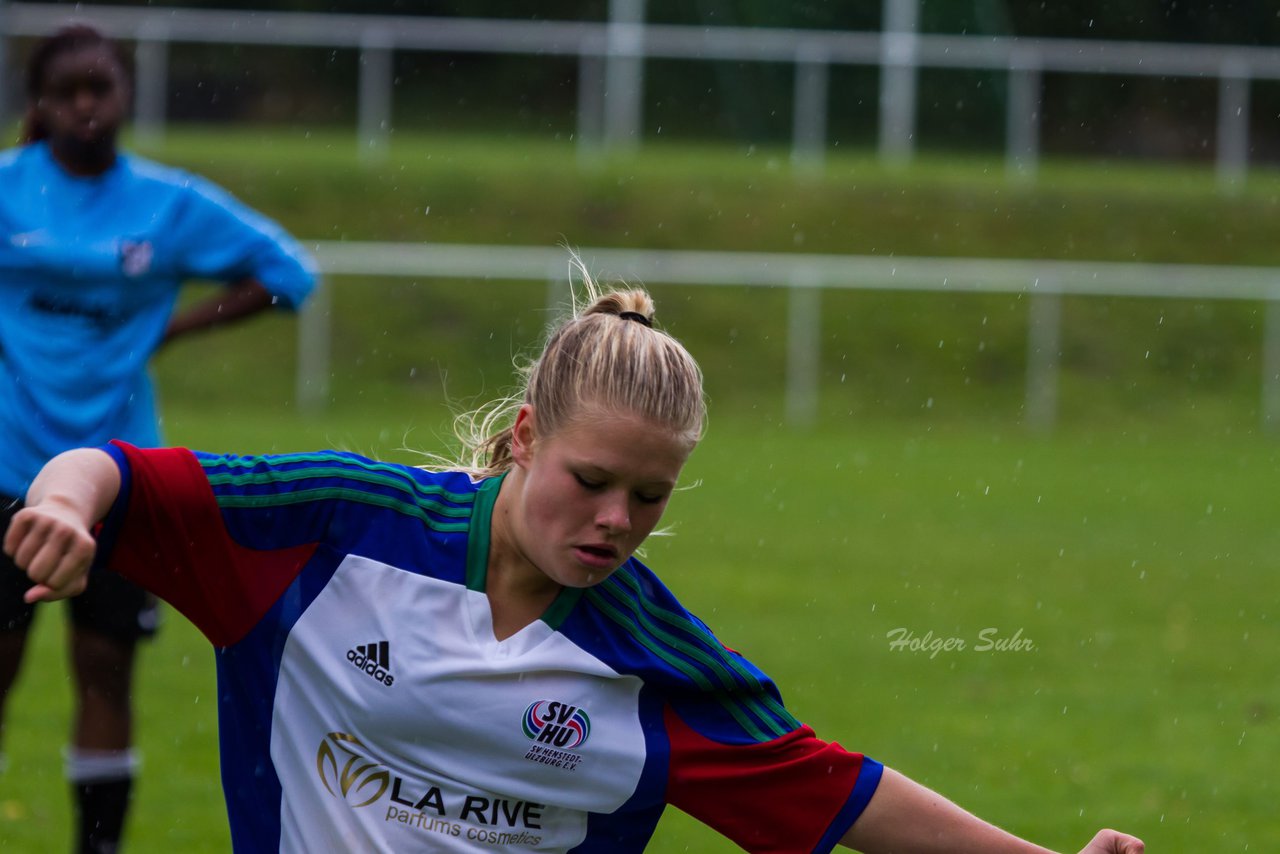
{"points": [[614, 515]]}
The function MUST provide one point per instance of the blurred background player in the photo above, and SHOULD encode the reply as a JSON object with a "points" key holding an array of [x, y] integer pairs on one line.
{"points": [[94, 247]]}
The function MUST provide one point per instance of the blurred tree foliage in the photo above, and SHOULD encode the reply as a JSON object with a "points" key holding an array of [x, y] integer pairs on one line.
{"points": [[751, 103]]}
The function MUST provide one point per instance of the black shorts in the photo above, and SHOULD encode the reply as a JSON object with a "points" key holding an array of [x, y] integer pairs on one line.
{"points": [[110, 605]]}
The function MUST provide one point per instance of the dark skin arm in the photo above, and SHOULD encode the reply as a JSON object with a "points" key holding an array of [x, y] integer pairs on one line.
{"points": [[244, 298]]}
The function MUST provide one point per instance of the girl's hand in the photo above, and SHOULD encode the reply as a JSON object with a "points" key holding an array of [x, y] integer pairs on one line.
{"points": [[52, 544], [1114, 842]]}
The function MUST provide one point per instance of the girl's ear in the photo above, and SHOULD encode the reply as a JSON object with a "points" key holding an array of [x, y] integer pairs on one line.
{"points": [[523, 436]]}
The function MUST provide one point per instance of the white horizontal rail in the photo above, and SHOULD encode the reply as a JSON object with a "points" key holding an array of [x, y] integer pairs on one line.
{"points": [[669, 41], [806, 275], [611, 104], [785, 269]]}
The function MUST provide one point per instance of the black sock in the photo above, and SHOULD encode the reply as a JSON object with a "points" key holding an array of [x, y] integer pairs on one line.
{"points": [[102, 806]]}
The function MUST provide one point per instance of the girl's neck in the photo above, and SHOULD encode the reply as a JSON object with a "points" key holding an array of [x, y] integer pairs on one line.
{"points": [[83, 162], [519, 593]]}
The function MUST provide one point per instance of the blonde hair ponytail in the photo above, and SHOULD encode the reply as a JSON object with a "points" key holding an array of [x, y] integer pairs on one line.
{"points": [[607, 357]]}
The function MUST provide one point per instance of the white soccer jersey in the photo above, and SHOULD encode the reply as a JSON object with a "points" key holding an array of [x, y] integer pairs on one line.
{"points": [[365, 704]]}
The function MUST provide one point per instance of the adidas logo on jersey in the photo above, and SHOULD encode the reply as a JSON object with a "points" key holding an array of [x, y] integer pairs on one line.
{"points": [[374, 659]]}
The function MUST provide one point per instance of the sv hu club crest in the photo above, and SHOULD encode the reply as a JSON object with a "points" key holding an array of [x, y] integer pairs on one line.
{"points": [[135, 257], [342, 765], [556, 724]]}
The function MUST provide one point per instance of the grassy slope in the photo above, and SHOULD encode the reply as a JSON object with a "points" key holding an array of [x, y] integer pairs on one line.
{"points": [[882, 353], [1134, 546]]}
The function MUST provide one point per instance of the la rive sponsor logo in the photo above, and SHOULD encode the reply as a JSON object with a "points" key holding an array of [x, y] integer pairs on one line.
{"points": [[557, 729], [359, 781], [349, 771], [374, 659]]}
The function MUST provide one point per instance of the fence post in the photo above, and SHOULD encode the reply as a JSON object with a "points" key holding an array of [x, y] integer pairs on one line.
{"points": [[559, 297], [151, 54], [809, 122], [1271, 367], [1022, 129], [314, 357], [804, 325], [624, 74], [1233, 124], [376, 82], [1044, 342], [590, 100], [898, 69]]}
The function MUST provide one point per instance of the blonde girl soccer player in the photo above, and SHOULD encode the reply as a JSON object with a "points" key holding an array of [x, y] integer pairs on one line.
{"points": [[457, 660]]}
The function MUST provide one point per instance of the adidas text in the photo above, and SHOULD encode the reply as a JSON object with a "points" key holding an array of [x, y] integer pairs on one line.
{"points": [[369, 664]]}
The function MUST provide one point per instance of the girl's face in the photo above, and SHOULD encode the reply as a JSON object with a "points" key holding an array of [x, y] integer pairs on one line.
{"points": [[589, 495], [82, 104]]}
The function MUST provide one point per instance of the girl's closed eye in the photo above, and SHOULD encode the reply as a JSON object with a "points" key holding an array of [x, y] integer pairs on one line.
{"points": [[587, 483]]}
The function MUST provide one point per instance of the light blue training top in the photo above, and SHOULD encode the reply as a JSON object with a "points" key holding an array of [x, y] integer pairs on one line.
{"points": [[90, 269]]}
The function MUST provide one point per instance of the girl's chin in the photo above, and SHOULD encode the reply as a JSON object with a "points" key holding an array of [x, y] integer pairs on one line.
{"points": [[585, 576]]}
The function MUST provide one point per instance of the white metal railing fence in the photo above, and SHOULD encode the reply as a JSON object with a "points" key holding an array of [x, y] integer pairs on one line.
{"points": [[806, 276], [611, 58]]}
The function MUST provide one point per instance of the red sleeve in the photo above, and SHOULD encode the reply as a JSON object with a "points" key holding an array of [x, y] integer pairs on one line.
{"points": [[796, 793], [166, 534]]}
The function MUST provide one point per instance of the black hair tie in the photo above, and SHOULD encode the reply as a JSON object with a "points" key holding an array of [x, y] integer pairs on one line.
{"points": [[636, 316]]}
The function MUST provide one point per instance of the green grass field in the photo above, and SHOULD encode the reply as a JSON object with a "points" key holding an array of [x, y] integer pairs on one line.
{"points": [[1134, 547]]}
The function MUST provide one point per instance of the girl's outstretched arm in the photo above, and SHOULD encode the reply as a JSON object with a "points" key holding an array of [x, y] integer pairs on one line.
{"points": [[907, 818], [51, 538]]}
